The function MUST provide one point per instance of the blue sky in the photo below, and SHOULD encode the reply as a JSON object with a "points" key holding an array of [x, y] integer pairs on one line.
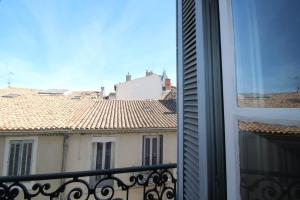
{"points": [[82, 45]]}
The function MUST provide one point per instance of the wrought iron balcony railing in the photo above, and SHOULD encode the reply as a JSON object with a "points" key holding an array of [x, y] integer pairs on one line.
{"points": [[145, 182], [264, 185]]}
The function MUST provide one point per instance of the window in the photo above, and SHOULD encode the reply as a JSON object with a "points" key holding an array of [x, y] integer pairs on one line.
{"points": [[103, 155], [153, 150], [20, 157], [260, 47], [269, 161], [266, 39]]}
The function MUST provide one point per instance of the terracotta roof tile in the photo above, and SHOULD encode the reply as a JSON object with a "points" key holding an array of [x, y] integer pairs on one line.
{"points": [[32, 111], [265, 128], [126, 114]]}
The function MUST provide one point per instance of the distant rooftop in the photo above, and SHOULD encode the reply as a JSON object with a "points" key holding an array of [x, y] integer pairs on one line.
{"points": [[267, 128], [30, 110], [52, 91]]}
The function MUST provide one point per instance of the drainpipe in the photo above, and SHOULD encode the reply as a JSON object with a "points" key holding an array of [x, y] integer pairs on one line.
{"points": [[64, 159]]}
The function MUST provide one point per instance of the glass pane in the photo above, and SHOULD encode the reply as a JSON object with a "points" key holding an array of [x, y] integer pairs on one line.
{"points": [[99, 153], [29, 155], [161, 153], [16, 160], [269, 161], [147, 151], [154, 151], [266, 35], [24, 158], [99, 156], [107, 156], [11, 159]]}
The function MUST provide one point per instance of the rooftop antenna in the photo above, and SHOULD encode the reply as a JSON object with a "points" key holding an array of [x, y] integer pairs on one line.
{"points": [[9, 77]]}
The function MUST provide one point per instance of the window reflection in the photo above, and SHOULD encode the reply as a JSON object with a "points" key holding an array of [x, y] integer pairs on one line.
{"points": [[267, 50], [269, 161]]}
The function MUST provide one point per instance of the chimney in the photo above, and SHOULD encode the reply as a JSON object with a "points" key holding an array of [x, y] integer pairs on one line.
{"points": [[102, 90], [148, 73], [168, 84], [128, 77]]}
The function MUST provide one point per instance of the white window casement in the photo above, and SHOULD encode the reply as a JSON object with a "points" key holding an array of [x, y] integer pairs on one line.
{"points": [[102, 154], [238, 99], [20, 156], [152, 150], [256, 67]]}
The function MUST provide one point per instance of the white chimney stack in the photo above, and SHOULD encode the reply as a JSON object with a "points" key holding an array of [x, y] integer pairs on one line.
{"points": [[128, 77]]}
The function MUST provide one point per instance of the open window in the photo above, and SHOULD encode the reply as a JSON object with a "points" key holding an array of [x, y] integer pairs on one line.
{"points": [[238, 76], [260, 57]]}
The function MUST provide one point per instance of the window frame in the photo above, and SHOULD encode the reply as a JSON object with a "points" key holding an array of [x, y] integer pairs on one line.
{"points": [[233, 113], [159, 149], [96, 140], [7, 151], [93, 147]]}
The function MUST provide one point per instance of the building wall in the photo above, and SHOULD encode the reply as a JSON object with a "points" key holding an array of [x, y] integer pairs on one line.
{"points": [[127, 153], [48, 157], [2, 147], [148, 87], [49, 154]]}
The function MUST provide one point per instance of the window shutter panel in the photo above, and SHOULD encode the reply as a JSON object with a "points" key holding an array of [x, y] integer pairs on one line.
{"points": [[201, 160], [190, 102], [161, 149], [29, 160], [143, 149]]}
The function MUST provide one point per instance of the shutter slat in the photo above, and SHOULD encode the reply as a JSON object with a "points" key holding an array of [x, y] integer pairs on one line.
{"points": [[191, 121], [190, 101], [190, 98], [189, 70], [187, 5], [191, 81], [191, 64]]}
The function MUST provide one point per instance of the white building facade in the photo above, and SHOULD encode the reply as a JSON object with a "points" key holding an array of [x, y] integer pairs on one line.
{"points": [[151, 86]]}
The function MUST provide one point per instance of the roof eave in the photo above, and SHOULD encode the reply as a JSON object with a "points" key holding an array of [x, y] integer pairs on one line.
{"points": [[54, 132]]}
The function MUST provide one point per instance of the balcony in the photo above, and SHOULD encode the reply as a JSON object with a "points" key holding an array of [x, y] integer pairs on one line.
{"points": [[258, 184], [144, 182]]}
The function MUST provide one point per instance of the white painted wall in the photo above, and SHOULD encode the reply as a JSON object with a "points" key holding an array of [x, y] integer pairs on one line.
{"points": [[127, 153], [148, 87], [128, 149]]}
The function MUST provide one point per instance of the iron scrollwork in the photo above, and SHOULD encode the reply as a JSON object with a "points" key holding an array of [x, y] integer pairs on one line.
{"points": [[266, 186], [157, 183]]}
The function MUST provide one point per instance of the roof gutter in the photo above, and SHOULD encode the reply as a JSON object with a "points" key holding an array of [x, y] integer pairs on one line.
{"points": [[64, 158], [62, 132], [33, 132], [112, 131]]}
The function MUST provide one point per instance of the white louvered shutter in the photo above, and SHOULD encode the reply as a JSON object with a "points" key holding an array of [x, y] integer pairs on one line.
{"points": [[201, 160], [190, 103]]}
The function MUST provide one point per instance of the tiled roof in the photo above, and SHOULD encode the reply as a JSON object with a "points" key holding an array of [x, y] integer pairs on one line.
{"points": [[265, 128], [32, 111], [126, 114], [171, 94]]}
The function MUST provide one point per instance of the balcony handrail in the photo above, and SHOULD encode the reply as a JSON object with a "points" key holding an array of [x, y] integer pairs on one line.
{"points": [[77, 174]]}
